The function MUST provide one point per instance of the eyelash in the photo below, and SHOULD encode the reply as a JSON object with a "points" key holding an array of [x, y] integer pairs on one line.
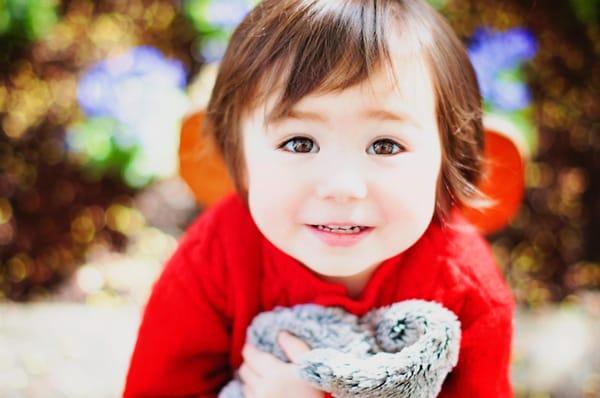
{"points": [[386, 140]]}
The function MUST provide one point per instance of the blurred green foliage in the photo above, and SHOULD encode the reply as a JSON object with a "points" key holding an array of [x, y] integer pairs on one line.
{"points": [[30, 19], [22, 21]]}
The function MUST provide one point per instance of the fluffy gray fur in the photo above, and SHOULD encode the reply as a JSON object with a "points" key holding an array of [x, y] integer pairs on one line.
{"points": [[403, 350]]}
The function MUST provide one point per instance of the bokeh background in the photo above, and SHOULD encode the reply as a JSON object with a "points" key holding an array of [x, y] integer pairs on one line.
{"points": [[92, 99]]}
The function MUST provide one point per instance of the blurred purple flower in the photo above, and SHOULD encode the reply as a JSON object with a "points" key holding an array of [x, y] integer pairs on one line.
{"points": [[227, 14], [100, 90], [493, 52]]}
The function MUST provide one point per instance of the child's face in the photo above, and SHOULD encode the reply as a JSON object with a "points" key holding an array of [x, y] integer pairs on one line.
{"points": [[339, 169]]}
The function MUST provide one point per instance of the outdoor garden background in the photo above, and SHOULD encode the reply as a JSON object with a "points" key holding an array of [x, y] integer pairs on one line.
{"points": [[92, 98]]}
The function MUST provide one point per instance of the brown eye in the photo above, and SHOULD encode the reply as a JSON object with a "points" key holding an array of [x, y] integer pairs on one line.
{"points": [[386, 147], [298, 145]]}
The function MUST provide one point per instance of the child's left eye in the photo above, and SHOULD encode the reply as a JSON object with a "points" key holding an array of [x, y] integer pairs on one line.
{"points": [[386, 147]]}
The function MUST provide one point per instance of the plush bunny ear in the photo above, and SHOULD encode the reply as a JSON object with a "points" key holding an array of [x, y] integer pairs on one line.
{"points": [[418, 342], [405, 323], [317, 326]]}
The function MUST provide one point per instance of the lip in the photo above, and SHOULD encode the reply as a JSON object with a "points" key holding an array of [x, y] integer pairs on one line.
{"points": [[339, 240], [340, 223]]}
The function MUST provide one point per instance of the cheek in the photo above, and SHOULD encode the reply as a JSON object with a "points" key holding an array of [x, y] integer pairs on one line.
{"points": [[414, 197], [274, 193], [272, 183], [411, 198]]}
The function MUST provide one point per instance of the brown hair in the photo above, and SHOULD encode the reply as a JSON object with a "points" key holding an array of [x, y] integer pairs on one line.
{"points": [[329, 45]]}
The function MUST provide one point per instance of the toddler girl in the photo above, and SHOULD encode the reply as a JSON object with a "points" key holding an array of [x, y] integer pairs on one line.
{"points": [[352, 131]]}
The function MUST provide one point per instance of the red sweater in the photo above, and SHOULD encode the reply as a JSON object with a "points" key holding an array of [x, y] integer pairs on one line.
{"points": [[224, 272]]}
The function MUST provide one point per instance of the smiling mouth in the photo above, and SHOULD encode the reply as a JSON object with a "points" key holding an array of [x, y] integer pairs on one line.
{"points": [[343, 236], [341, 230]]}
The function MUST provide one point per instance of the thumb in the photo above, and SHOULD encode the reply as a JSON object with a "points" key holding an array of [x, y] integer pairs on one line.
{"points": [[292, 346]]}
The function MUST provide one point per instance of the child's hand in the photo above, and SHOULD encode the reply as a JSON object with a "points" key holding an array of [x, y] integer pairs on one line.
{"points": [[265, 376]]}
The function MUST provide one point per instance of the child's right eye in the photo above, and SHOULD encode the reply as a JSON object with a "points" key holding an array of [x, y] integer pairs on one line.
{"points": [[298, 145]]}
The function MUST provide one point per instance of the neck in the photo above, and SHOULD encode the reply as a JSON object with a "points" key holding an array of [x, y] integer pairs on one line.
{"points": [[354, 283]]}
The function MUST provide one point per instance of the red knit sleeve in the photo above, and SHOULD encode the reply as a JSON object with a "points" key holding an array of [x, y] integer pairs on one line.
{"points": [[183, 341], [483, 368]]}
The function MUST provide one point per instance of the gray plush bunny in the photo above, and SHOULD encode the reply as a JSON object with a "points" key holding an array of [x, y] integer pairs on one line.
{"points": [[402, 350]]}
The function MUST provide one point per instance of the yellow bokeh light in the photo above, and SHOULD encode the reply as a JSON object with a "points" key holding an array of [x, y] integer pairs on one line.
{"points": [[14, 125], [124, 219], [59, 38], [83, 229], [538, 175], [6, 211], [3, 98], [159, 16], [573, 182], [112, 31], [19, 267]]}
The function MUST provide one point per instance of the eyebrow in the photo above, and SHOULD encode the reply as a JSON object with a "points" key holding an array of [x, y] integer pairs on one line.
{"points": [[376, 114]]}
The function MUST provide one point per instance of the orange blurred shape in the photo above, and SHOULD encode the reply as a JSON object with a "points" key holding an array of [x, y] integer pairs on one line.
{"points": [[503, 181], [202, 169], [200, 165]]}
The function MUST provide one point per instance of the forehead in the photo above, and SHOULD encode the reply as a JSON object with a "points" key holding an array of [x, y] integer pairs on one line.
{"points": [[398, 90]]}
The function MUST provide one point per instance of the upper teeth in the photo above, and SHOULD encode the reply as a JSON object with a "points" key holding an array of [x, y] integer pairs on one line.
{"points": [[349, 228]]}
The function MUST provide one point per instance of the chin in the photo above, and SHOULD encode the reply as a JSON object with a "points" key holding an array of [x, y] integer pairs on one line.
{"points": [[336, 271]]}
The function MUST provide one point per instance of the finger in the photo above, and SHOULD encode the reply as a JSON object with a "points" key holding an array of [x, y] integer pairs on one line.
{"points": [[292, 346], [261, 362], [249, 361], [248, 375]]}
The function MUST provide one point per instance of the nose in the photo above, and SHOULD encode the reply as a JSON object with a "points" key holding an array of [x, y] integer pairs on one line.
{"points": [[342, 184]]}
